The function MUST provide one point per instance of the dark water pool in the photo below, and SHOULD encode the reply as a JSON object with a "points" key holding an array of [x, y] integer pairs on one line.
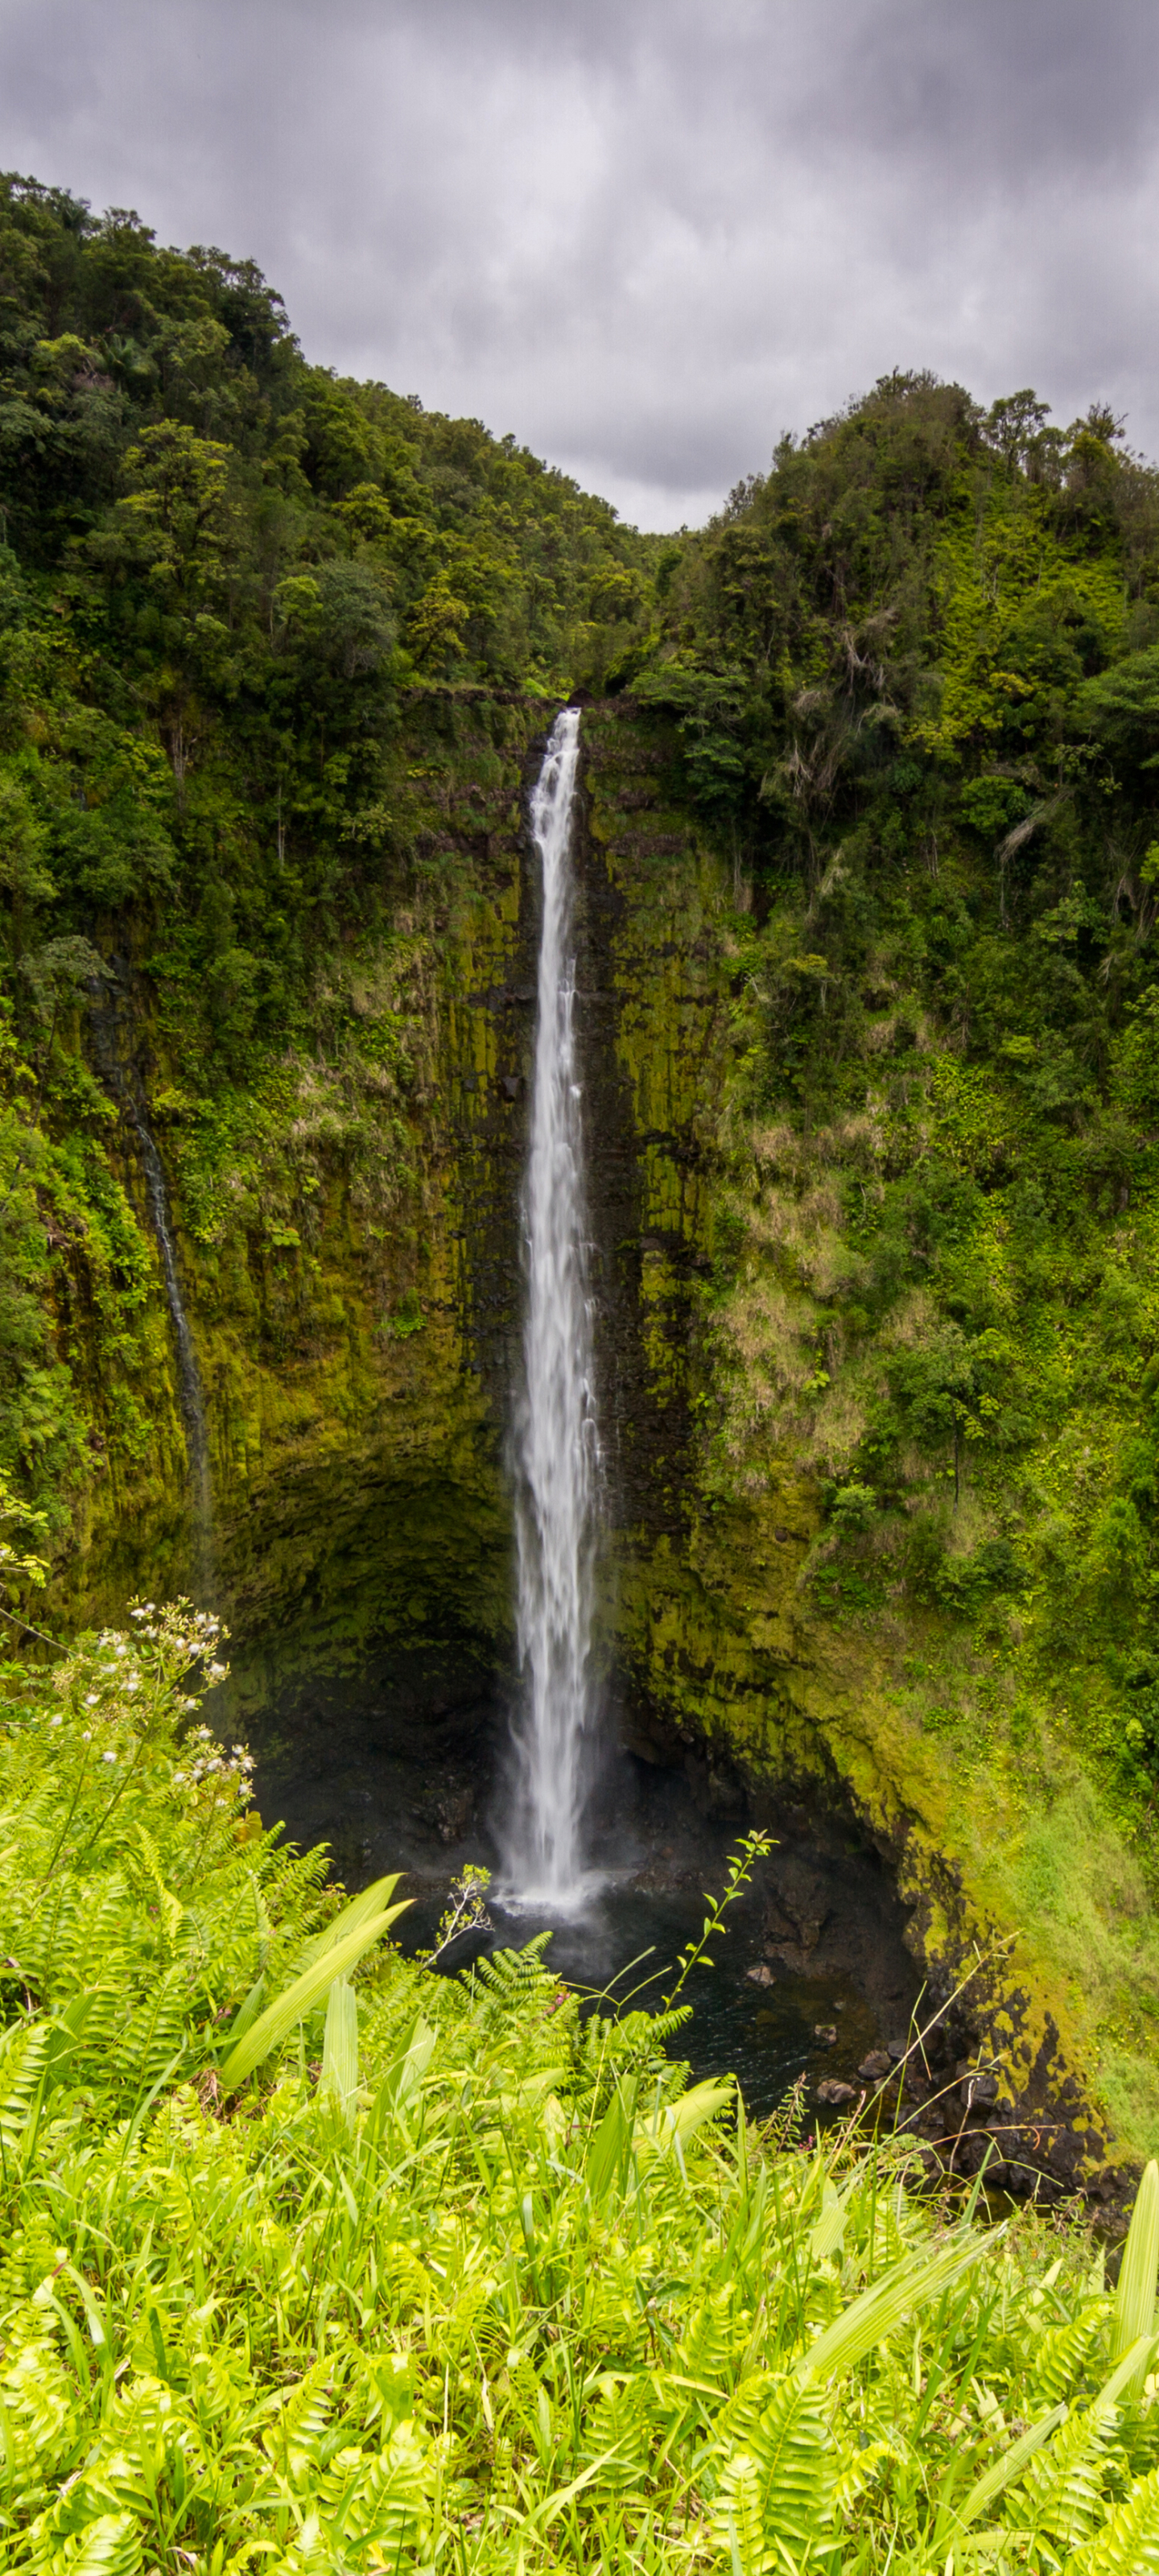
{"points": [[399, 1770], [626, 1945]]}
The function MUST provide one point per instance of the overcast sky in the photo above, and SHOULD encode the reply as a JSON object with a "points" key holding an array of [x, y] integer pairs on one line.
{"points": [[646, 235]]}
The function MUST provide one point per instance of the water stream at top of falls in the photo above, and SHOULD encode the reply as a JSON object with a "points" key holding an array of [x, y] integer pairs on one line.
{"points": [[556, 1443]]}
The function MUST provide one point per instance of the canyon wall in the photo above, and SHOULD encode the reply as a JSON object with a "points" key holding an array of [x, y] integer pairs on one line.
{"points": [[356, 1327]]}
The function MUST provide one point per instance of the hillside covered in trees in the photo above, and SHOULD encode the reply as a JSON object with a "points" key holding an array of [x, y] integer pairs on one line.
{"points": [[878, 797], [226, 579], [914, 679]]}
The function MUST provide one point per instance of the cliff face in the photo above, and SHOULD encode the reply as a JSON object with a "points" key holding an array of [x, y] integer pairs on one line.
{"points": [[355, 1322]]}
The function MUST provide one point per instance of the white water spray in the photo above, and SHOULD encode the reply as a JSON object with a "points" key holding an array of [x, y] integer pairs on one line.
{"points": [[557, 1454]]}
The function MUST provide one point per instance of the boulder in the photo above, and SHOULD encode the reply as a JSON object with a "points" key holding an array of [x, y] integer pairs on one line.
{"points": [[835, 2093]]}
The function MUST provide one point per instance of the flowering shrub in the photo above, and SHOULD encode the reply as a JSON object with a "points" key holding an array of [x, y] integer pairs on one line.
{"points": [[132, 1893]]}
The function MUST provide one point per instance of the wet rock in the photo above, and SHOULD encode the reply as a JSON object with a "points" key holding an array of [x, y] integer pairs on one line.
{"points": [[831, 2090], [726, 1794], [977, 2088], [761, 1975], [825, 2033], [454, 1811], [875, 2067]]}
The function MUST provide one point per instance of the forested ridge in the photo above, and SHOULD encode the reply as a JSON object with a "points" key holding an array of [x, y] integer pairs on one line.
{"points": [[914, 678], [227, 579]]}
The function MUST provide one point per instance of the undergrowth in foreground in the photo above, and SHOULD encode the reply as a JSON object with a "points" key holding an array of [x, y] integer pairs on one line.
{"points": [[308, 2271]]}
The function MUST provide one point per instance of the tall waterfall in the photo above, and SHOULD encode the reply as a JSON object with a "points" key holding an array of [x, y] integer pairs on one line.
{"points": [[556, 1439]]}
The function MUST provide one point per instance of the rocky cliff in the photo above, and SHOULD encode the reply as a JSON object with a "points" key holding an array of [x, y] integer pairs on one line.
{"points": [[351, 1287]]}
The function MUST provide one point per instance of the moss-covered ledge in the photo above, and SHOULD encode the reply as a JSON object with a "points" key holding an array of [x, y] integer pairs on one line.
{"points": [[1015, 1877]]}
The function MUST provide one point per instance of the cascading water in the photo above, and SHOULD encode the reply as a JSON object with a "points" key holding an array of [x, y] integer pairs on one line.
{"points": [[188, 1373], [556, 1441], [106, 1048]]}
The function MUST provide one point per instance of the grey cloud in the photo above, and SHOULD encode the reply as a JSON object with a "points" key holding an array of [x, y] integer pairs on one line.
{"points": [[646, 235]]}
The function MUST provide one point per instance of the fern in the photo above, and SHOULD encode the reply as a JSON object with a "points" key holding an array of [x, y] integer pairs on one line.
{"points": [[1128, 2544], [294, 2438], [110, 2546], [1063, 2486], [1065, 2352], [738, 2521], [538, 2297], [796, 2465], [23, 2057]]}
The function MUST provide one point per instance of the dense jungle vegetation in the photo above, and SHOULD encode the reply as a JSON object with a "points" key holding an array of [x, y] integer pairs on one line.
{"points": [[910, 681], [914, 679], [227, 580], [314, 2260], [426, 2271]]}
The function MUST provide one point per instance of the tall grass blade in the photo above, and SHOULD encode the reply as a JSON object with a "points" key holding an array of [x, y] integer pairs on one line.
{"points": [[1002, 2472], [879, 2311], [280, 2018], [610, 2143], [369, 1901], [247, 2011], [340, 2049], [1135, 2296]]}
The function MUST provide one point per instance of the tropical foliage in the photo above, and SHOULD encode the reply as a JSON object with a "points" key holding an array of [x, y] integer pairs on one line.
{"points": [[908, 681], [329, 2266], [245, 609]]}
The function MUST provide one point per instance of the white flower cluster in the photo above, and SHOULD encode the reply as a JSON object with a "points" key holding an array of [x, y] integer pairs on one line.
{"points": [[212, 1762], [188, 1634]]}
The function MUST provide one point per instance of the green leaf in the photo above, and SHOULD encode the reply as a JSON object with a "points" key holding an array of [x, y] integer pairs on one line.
{"points": [[702, 2102], [280, 2018], [1135, 2297], [110, 2546], [403, 2078], [370, 1900], [1002, 2471], [1128, 2544], [879, 2311], [247, 2012], [611, 2143], [797, 2465], [340, 2049]]}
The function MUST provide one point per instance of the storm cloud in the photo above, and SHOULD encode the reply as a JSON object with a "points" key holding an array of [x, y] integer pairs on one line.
{"points": [[648, 236]]}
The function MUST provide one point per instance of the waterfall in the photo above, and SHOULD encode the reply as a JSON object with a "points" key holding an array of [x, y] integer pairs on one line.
{"points": [[188, 1373], [556, 1442], [106, 1049]]}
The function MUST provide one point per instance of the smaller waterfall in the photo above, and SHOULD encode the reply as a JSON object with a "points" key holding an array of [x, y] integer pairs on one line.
{"points": [[188, 1373], [107, 1053], [556, 1442]]}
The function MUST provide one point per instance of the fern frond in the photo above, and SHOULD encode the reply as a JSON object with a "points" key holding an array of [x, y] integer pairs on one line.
{"points": [[737, 2520], [23, 2055], [1128, 2544], [791, 2448], [294, 2437]]}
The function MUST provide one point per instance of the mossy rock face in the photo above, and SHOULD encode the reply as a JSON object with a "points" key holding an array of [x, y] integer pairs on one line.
{"points": [[358, 1342], [353, 1319]]}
